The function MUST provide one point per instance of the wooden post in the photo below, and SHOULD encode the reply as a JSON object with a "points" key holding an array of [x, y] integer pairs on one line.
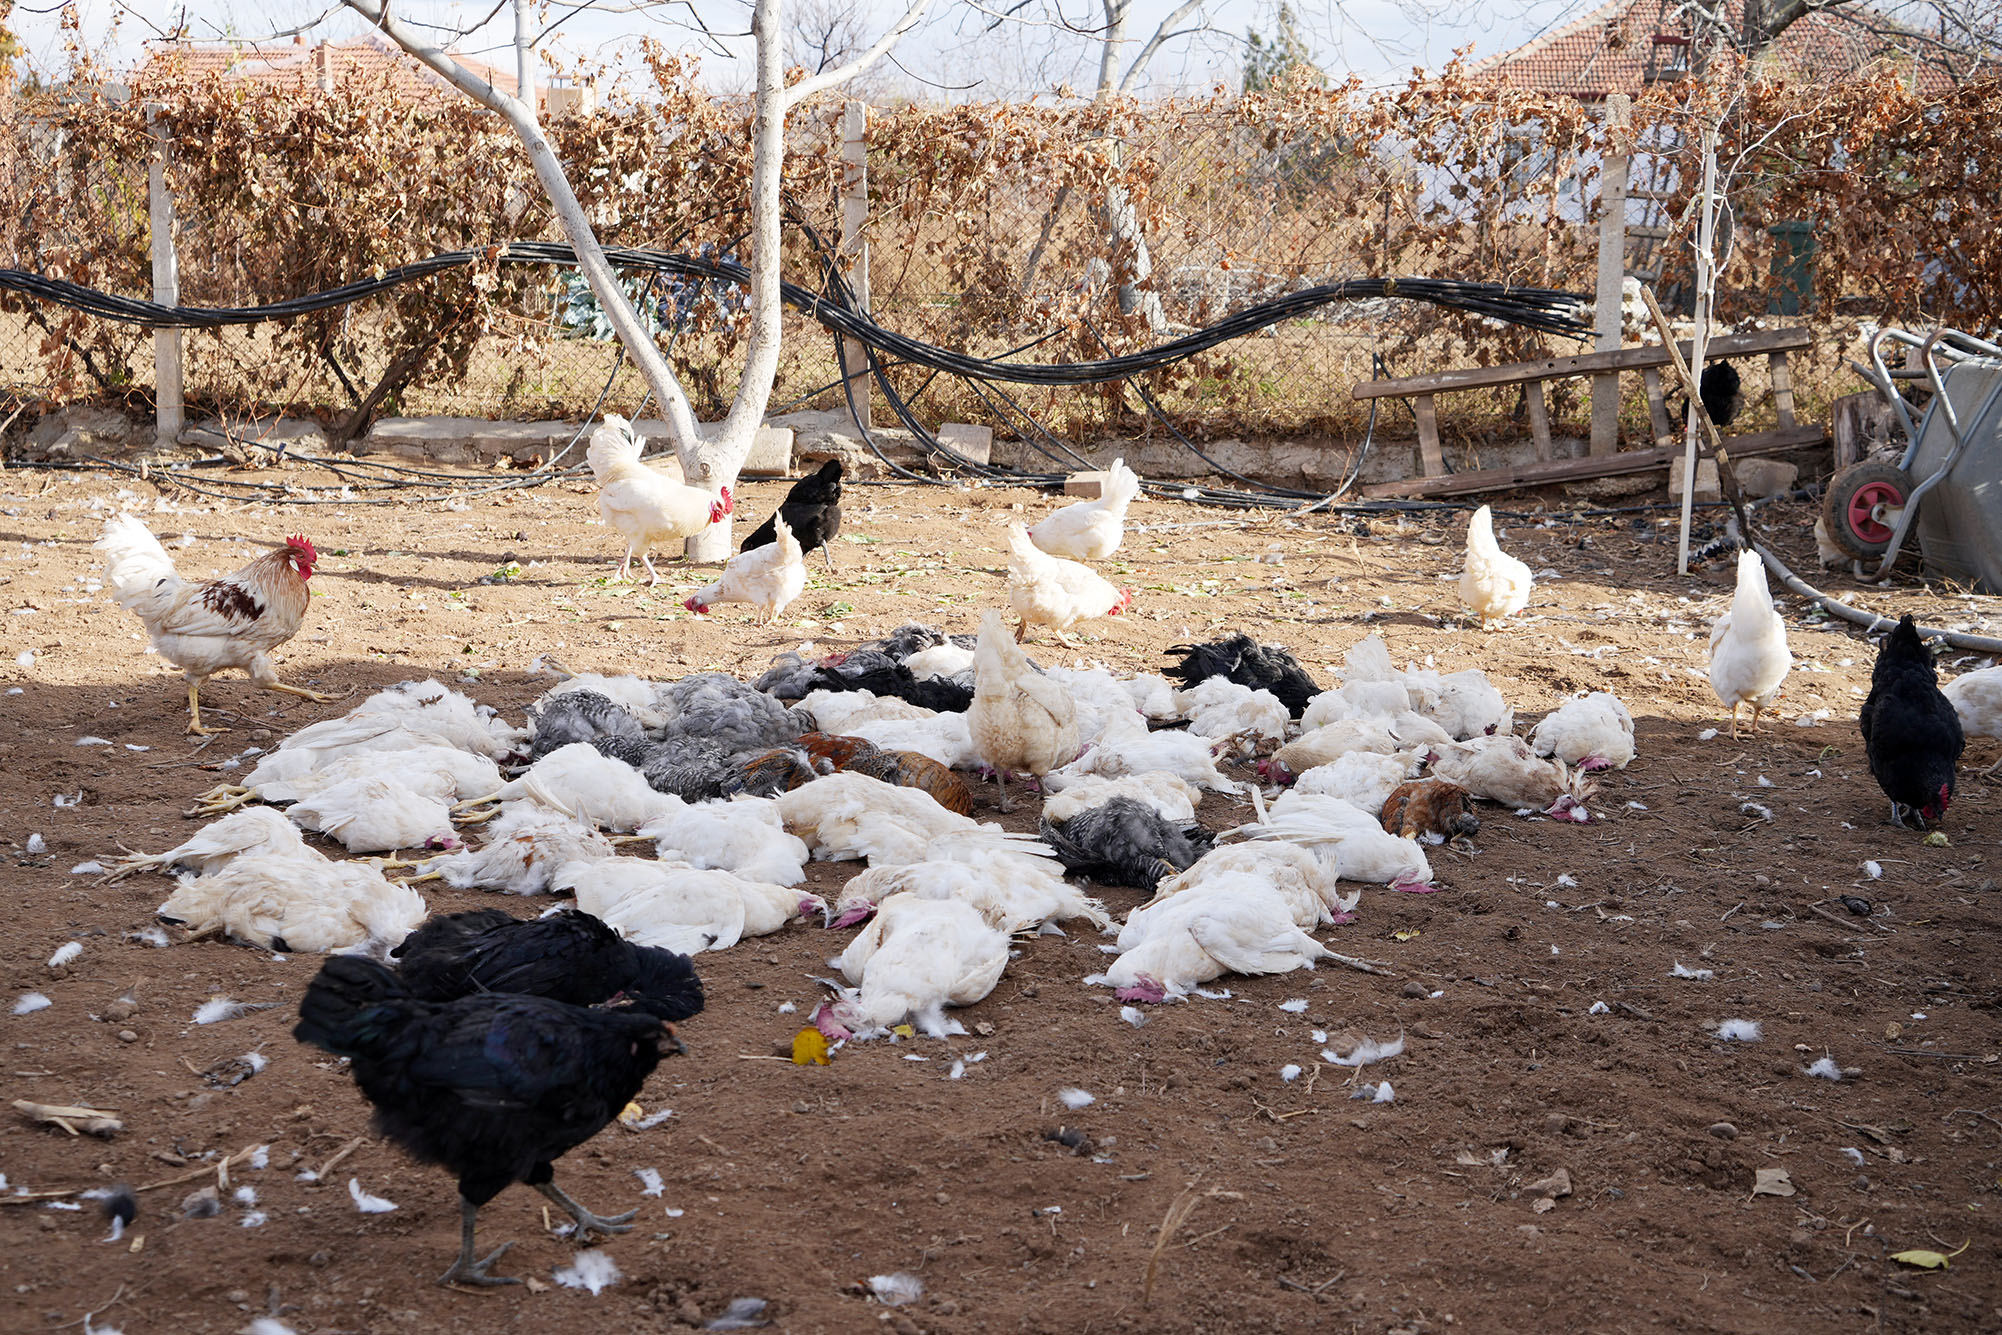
{"points": [[169, 403], [1612, 272], [855, 243]]}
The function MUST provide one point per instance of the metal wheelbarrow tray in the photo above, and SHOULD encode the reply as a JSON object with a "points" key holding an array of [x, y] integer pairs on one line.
{"points": [[1947, 486]]}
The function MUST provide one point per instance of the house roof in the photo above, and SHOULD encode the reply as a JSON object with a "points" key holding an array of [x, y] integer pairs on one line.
{"points": [[1611, 49], [324, 65]]}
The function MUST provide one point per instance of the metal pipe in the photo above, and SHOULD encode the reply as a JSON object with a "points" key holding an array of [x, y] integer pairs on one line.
{"points": [[1984, 644]]}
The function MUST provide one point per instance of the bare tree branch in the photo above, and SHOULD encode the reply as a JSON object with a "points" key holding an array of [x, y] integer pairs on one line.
{"points": [[841, 73]]}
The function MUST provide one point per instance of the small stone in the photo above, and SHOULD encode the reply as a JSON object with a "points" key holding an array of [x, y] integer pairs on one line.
{"points": [[321, 1259], [903, 1325], [1722, 1130], [984, 1029], [127, 1036], [260, 734], [1414, 990], [801, 1107], [236, 1296], [1557, 1185], [1555, 1123], [941, 1198], [687, 1313]]}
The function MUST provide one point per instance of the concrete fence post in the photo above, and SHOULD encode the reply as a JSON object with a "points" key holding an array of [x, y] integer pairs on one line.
{"points": [[854, 242], [168, 399], [1612, 272]]}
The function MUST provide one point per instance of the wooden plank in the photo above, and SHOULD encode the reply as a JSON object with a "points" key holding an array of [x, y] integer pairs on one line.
{"points": [[1539, 417], [1431, 457], [1782, 386], [1626, 359], [1657, 409], [1574, 470]]}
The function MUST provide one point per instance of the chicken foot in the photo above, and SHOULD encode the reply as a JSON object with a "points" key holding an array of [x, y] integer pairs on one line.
{"points": [[827, 551], [466, 1270], [195, 728], [315, 696], [586, 1221], [221, 798]]}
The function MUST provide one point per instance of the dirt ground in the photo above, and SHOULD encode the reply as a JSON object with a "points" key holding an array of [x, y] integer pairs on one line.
{"points": [[1298, 1208]]}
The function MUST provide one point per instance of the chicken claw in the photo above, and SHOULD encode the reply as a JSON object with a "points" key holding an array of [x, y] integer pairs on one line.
{"points": [[300, 691], [466, 1270], [586, 1221]]}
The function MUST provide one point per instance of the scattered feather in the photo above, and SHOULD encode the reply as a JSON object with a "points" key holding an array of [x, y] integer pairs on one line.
{"points": [[1873, 870], [267, 1325], [65, 954], [1708, 734], [1740, 1031], [1367, 1051], [958, 1070], [1076, 1098], [897, 1289], [36, 844], [787, 1008], [149, 936], [92, 868], [245, 1196], [1375, 1093], [673, 1213], [741, 1314], [1600, 1008], [366, 1203], [1133, 1015], [260, 1157], [1826, 1068], [1855, 1155], [651, 1121], [91, 741], [255, 1219], [1289, 1072], [650, 1181], [594, 1270], [1296, 1006], [31, 1002], [217, 1009], [1682, 970], [1567, 880], [1756, 809]]}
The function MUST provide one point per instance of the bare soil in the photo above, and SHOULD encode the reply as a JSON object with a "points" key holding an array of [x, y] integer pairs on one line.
{"points": [[1300, 1209]]}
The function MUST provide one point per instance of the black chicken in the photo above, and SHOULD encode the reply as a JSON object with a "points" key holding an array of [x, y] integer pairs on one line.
{"points": [[1125, 842], [566, 956], [1910, 729], [495, 1087], [1239, 658], [1721, 393], [812, 510], [934, 693]]}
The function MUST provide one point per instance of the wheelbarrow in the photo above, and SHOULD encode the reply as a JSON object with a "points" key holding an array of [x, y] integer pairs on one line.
{"points": [[1947, 485]]}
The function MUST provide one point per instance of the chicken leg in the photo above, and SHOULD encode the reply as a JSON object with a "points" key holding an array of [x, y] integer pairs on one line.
{"points": [[466, 1270], [586, 1221], [195, 728], [827, 551]]}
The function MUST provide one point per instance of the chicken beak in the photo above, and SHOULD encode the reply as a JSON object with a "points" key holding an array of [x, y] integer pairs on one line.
{"points": [[672, 1043]]}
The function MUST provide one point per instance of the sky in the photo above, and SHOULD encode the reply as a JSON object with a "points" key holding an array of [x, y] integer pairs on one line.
{"points": [[958, 54]]}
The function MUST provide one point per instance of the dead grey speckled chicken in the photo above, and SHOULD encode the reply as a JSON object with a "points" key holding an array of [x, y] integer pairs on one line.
{"points": [[694, 769], [729, 714], [577, 716], [1125, 842], [790, 677]]}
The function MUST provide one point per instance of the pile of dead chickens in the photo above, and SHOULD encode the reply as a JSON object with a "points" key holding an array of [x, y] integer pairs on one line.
{"points": [[683, 814]]}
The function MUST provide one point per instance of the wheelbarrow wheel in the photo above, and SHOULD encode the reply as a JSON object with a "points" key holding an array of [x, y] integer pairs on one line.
{"points": [[1852, 506]]}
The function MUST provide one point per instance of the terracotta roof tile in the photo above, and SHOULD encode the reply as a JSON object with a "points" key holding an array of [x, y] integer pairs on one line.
{"points": [[326, 65], [1609, 50]]}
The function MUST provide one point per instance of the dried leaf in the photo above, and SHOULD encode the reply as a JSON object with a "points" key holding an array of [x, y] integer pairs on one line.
{"points": [[1925, 1259], [1772, 1182], [809, 1047]]}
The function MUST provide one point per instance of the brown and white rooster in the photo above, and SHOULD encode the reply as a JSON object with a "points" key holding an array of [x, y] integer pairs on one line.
{"points": [[202, 628]]}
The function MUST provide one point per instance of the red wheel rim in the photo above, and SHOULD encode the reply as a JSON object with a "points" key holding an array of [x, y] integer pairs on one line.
{"points": [[1866, 499]]}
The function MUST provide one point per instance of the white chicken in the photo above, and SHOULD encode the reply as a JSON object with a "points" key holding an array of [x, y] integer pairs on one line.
{"points": [[633, 694], [1090, 530], [1154, 696], [767, 577], [915, 958], [646, 508], [288, 902], [1463, 704], [1977, 699], [746, 836], [1493, 585], [253, 830], [666, 904], [1102, 701], [1361, 848], [1020, 720], [1748, 645], [578, 781], [1503, 769], [426, 767], [1013, 894], [527, 844], [845, 816], [1309, 885], [437, 709], [841, 711], [1332, 741], [376, 814], [1170, 796], [290, 772], [1594, 732], [1049, 591], [946, 737], [1133, 751], [1223, 711], [940, 661], [1363, 779], [1235, 923]]}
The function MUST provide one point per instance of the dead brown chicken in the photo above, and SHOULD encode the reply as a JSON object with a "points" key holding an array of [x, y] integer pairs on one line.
{"points": [[785, 768], [1430, 810]]}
